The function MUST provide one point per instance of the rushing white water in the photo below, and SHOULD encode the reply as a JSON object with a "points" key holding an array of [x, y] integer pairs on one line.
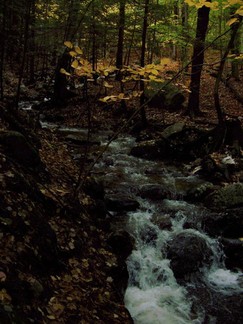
{"points": [[153, 295]]}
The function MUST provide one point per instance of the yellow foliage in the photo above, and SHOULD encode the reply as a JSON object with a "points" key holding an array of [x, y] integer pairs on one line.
{"points": [[78, 50], [68, 44], [232, 21], [63, 71]]}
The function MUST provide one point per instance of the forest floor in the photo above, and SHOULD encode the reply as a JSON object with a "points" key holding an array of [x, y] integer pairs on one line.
{"points": [[80, 287]]}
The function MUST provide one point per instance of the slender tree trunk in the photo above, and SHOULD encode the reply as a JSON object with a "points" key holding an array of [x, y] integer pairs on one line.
{"points": [[94, 50], [236, 50], [32, 44], [142, 61], [2, 54], [128, 54], [26, 37], [221, 115], [121, 27], [198, 60], [184, 21]]}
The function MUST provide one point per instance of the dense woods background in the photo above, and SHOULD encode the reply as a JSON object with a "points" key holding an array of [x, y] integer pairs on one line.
{"points": [[121, 33], [75, 74]]}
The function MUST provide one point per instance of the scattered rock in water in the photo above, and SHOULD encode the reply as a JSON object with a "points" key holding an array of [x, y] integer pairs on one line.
{"points": [[153, 192], [233, 249], [117, 202], [162, 221], [214, 306], [228, 224], [151, 149], [227, 197], [78, 139], [188, 252]]}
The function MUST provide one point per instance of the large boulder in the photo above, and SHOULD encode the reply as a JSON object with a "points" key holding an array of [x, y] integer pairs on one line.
{"points": [[227, 224], [188, 252], [227, 197], [18, 147], [170, 97], [153, 192]]}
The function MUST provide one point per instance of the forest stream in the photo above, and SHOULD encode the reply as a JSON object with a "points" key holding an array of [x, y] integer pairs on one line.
{"points": [[153, 294], [176, 271]]}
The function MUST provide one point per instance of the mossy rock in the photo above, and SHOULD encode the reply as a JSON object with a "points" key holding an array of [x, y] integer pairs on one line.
{"points": [[228, 197], [170, 97]]}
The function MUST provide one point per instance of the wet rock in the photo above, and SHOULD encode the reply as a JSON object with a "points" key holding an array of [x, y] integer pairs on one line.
{"points": [[227, 197], [227, 224], [214, 306], [121, 203], [162, 221], [78, 139], [151, 149], [233, 249], [199, 191], [17, 146], [188, 252], [153, 192], [122, 243]]}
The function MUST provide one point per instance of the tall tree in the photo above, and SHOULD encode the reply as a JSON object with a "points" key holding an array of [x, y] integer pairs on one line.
{"points": [[121, 27], [142, 59], [2, 40], [198, 59]]}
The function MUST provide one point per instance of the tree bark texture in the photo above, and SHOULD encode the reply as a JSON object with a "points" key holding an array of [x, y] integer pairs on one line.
{"points": [[198, 60]]}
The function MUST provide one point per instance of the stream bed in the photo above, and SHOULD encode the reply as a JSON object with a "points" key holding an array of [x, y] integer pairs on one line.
{"points": [[177, 273], [212, 294]]}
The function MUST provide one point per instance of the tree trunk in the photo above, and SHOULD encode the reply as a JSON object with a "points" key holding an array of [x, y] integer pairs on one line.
{"points": [[32, 44], [198, 60], [121, 27], [26, 37], [2, 53], [142, 61], [235, 27]]}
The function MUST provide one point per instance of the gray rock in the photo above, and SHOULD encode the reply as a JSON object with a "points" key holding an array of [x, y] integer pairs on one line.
{"points": [[228, 223], [233, 249], [173, 129], [153, 192], [119, 202], [188, 252], [151, 149], [228, 197], [162, 221], [81, 140]]}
